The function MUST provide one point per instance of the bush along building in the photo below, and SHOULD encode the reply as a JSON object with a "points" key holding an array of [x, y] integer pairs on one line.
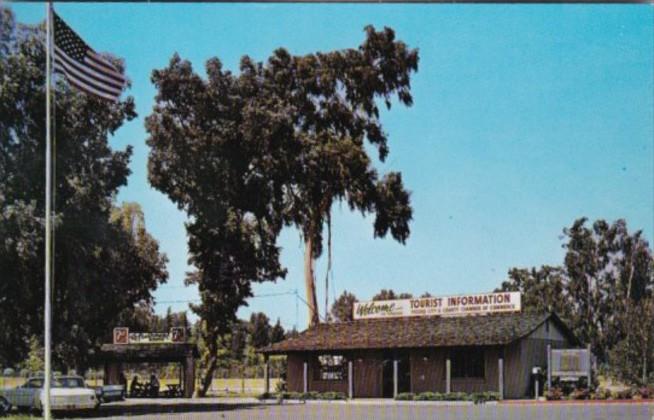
{"points": [[473, 343]]}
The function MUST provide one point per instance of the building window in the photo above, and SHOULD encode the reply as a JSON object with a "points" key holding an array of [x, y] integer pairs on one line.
{"points": [[468, 363], [331, 367]]}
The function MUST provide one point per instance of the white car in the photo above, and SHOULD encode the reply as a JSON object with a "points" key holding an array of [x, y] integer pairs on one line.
{"points": [[31, 396]]}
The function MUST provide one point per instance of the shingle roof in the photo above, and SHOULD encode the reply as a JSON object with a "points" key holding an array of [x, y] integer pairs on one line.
{"points": [[496, 329]]}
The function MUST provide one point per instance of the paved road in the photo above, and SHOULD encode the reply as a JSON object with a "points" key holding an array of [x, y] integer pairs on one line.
{"points": [[241, 410]]}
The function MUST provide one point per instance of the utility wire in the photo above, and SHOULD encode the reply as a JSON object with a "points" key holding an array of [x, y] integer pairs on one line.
{"points": [[263, 295]]}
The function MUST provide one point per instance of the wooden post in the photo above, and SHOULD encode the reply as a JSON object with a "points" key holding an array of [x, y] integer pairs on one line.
{"points": [[111, 373], [500, 368], [448, 377], [395, 369], [306, 377], [350, 380], [189, 376], [549, 366], [266, 375], [590, 366]]}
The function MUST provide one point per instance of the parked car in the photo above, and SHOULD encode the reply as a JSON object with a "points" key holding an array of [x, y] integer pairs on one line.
{"points": [[113, 393], [104, 393], [31, 396]]}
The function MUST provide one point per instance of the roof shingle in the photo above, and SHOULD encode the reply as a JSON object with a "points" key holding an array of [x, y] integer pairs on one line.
{"points": [[495, 329]]}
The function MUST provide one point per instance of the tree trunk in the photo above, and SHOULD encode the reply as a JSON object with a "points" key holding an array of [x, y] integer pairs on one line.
{"points": [[644, 368], [208, 375], [309, 280]]}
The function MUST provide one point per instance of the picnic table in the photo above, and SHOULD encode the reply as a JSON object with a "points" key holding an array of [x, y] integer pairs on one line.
{"points": [[174, 390]]}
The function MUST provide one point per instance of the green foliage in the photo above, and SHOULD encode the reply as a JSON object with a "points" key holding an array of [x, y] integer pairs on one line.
{"points": [[342, 309], [476, 397], [35, 358], [483, 397], [631, 360], [243, 155], [579, 394], [601, 290], [428, 396], [277, 333], [331, 395], [405, 396], [260, 329], [102, 270], [554, 394], [391, 295], [303, 396]]}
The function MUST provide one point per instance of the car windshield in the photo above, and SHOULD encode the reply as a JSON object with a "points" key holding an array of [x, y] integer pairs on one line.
{"points": [[72, 382], [38, 383]]}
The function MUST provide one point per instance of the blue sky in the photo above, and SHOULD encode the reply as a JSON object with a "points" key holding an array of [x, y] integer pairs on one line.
{"points": [[525, 118]]}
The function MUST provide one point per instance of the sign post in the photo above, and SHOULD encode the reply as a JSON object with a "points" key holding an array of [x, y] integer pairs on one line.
{"points": [[569, 365]]}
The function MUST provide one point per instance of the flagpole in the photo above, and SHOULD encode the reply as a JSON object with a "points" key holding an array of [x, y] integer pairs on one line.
{"points": [[48, 216]]}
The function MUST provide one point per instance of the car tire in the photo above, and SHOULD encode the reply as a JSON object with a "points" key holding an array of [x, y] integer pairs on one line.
{"points": [[5, 407]]}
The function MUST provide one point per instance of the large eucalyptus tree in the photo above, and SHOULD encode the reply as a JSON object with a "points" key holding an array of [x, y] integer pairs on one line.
{"points": [[277, 144]]}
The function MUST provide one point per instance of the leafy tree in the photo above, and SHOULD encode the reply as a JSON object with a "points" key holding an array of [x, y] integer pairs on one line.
{"points": [[542, 289], [606, 273], [197, 136], [292, 333], [390, 295], [607, 268], [632, 358], [278, 136], [101, 269], [343, 307], [35, 358], [277, 333], [329, 105], [260, 329]]}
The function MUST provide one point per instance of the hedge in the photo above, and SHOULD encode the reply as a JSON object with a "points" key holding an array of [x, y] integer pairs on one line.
{"points": [[313, 395], [476, 397]]}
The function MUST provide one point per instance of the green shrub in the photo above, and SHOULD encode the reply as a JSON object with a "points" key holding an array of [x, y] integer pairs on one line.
{"points": [[601, 394], [644, 392], [405, 396], [625, 394], [483, 397], [429, 396], [289, 395], [331, 395], [456, 396], [265, 396], [280, 386], [554, 394], [579, 394]]}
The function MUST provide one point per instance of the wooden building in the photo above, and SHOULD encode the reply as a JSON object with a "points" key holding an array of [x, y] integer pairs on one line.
{"points": [[384, 357], [115, 356]]}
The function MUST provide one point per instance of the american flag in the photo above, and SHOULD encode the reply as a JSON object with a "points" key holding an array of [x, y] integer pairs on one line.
{"points": [[83, 67]]}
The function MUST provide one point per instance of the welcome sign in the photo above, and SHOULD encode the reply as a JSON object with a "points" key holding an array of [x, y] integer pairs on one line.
{"points": [[477, 304], [122, 335]]}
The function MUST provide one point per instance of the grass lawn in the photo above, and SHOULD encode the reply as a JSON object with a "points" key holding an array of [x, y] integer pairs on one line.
{"points": [[219, 387]]}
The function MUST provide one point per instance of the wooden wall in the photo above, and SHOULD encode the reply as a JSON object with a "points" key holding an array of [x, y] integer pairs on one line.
{"points": [[316, 384], [524, 354], [368, 370], [295, 372], [427, 368], [428, 372]]}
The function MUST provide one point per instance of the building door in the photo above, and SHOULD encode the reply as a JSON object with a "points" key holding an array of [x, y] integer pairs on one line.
{"points": [[403, 374]]}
